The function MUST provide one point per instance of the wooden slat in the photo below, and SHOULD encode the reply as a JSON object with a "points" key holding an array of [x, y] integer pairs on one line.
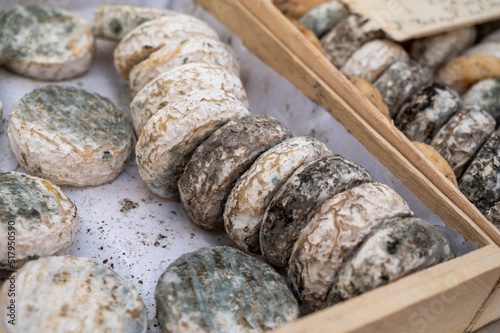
{"points": [[325, 85]]}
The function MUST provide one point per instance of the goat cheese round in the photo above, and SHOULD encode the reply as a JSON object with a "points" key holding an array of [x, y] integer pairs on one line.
{"points": [[220, 160], [437, 160], [221, 289], [462, 136], [247, 201], [294, 9], [480, 183], [194, 49], [37, 216], [297, 199], [72, 294], [427, 111], [463, 72], [486, 95], [179, 81], [390, 253], [45, 43], [348, 36], [151, 36], [171, 136], [371, 93], [114, 21], [338, 227], [324, 17], [369, 61], [400, 81], [436, 50], [70, 136], [493, 215], [488, 48]]}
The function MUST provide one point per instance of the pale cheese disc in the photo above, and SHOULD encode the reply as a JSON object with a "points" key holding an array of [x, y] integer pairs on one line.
{"points": [[151, 36], [179, 81], [193, 49], [36, 218], [248, 200], [70, 136], [114, 21], [171, 136], [45, 43], [485, 48], [72, 294], [338, 227]]}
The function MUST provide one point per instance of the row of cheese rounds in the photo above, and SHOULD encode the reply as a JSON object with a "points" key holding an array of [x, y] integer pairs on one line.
{"points": [[461, 130], [245, 173]]}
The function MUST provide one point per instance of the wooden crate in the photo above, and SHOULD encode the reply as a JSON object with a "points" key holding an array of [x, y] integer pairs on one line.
{"points": [[458, 296]]}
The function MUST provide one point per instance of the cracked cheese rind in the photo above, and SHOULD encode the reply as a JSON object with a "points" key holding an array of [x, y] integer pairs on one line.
{"points": [[338, 227], [42, 218], [73, 294], [179, 81], [70, 136], [221, 289], [220, 160], [151, 36], [247, 202], [171, 136], [45, 43]]}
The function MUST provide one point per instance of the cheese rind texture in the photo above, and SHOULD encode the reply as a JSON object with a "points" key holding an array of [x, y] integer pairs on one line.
{"points": [[35, 216], [323, 17], [486, 95], [45, 43], [293, 204], [219, 162], [168, 86], [338, 227], [73, 294], [171, 136], [221, 289], [247, 201], [387, 254], [70, 136]]}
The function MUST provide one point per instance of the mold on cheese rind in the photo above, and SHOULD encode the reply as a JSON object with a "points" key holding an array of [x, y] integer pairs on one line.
{"points": [[338, 227], [296, 200], [179, 81], [221, 289], [72, 294], [323, 17], [493, 215], [37, 216], [171, 136], [486, 95], [45, 43], [247, 202], [220, 160], [387, 254], [70, 136]]}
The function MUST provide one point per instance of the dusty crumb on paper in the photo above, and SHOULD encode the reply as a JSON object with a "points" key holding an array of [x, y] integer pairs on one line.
{"points": [[128, 205]]}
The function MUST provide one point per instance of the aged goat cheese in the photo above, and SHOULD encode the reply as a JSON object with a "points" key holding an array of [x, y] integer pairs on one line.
{"points": [[179, 81], [221, 289], [70, 136], [338, 227], [35, 215], [171, 136], [392, 252], [486, 95], [324, 17], [247, 202], [72, 294], [437, 160], [293, 204], [45, 43], [219, 161]]}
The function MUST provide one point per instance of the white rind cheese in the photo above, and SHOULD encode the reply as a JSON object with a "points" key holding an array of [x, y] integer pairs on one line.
{"points": [[488, 48], [114, 21], [151, 36], [194, 49], [173, 133], [338, 227], [70, 136], [72, 294], [253, 191], [45, 43], [38, 216], [180, 81]]}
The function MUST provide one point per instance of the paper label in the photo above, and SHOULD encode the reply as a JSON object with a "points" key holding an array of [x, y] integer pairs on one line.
{"points": [[406, 19]]}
